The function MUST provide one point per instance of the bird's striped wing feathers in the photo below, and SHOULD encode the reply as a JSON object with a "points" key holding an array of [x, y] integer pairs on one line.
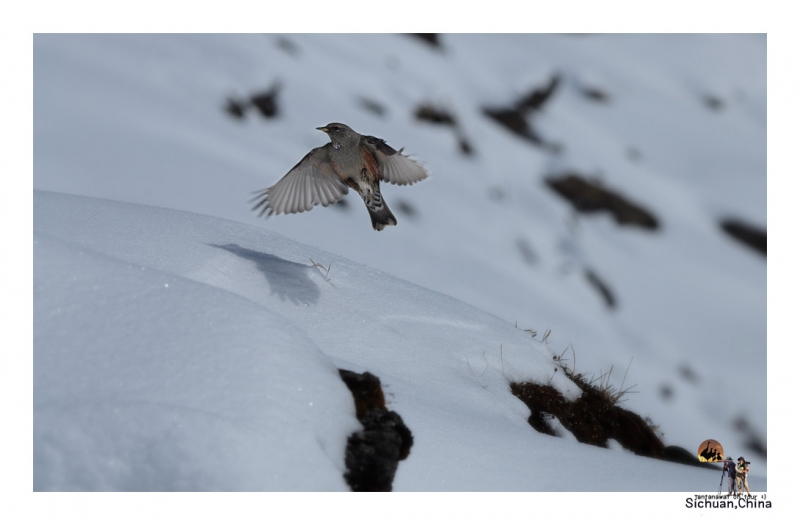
{"points": [[395, 167], [312, 181]]}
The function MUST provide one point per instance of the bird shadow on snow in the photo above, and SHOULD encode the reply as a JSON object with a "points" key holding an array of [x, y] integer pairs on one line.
{"points": [[287, 280]]}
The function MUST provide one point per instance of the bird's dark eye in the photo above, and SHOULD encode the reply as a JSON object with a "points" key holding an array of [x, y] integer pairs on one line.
{"points": [[335, 128]]}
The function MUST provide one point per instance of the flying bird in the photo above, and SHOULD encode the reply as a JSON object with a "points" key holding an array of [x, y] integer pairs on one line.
{"points": [[325, 174]]}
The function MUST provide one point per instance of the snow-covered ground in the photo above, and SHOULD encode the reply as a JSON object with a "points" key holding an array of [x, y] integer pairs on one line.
{"points": [[164, 322], [176, 351]]}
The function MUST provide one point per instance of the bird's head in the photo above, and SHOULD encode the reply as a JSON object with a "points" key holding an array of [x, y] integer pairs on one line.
{"points": [[340, 134]]}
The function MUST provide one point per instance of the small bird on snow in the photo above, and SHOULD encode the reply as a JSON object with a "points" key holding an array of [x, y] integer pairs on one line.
{"points": [[349, 160]]}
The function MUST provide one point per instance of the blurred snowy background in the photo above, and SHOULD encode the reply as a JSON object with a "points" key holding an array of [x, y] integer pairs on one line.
{"points": [[585, 185]]}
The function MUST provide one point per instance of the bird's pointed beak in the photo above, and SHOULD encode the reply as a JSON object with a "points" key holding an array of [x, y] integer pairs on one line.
{"points": [[323, 128]]}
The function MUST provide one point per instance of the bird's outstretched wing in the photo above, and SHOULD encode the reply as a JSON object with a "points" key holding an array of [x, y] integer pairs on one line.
{"points": [[395, 167], [312, 181]]}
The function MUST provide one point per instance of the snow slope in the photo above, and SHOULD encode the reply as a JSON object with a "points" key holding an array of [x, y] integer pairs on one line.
{"points": [[175, 351], [140, 119]]}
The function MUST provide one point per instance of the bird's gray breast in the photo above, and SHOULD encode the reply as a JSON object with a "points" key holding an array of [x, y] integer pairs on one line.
{"points": [[347, 161]]}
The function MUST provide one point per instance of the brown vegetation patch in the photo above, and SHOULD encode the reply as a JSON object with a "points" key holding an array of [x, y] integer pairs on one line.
{"points": [[591, 197], [593, 418]]}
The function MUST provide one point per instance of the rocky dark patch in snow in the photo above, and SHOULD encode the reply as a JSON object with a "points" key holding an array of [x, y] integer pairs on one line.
{"points": [[434, 115], [287, 46], [536, 98], [602, 288], [515, 117], [431, 39], [749, 235], [593, 418], [496, 193], [588, 196], [525, 248], [633, 154], [376, 108], [267, 101], [372, 454], [264, 102], [515, 121], [713, 103], [596, 94], [752, 440], [442, 117], [465, 146], [236, 108], [688, 374], [667, 391]]}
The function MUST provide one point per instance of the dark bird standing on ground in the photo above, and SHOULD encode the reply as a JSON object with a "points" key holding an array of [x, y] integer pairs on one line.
{"points": [[349, 160]]}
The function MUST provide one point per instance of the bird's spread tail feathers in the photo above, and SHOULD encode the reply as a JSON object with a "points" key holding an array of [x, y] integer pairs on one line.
{"points": [[381, 217], [378, 209]]}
